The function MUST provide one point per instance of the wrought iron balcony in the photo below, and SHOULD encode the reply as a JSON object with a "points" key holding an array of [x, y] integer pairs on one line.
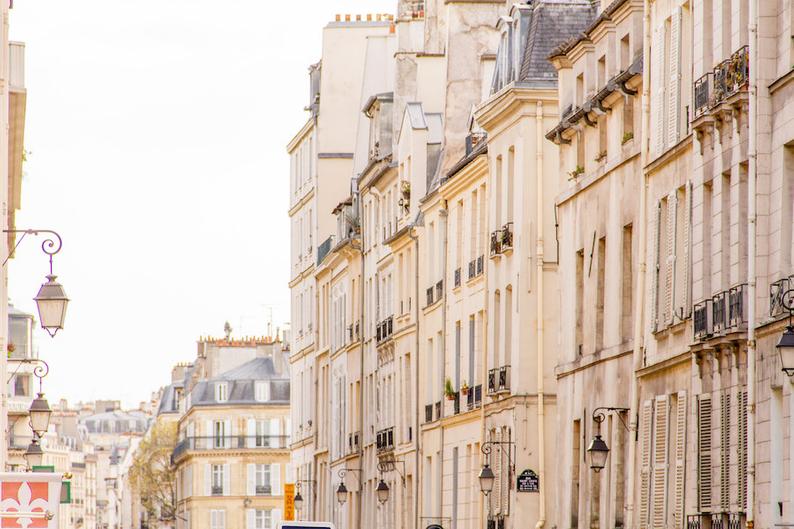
{"points": [[472, 268], [217, 491], [263, 490], [457, 277], [776, 293], [703, 94], [737, 520], [731, 75], [480, 264], [693, 521], [496, 243], [737, 303], [384, 439], [456, 404], [384, 329], [236, 442], [492, 374], [474, 398], [428, 413], [439, 289], [703, 319], [507, 237], [504, 378], [437, 406], [719, 520], [720, 311], [354, 443]]}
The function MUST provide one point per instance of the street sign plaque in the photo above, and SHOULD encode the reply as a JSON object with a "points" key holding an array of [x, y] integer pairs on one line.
{"points": [[528, 481]]}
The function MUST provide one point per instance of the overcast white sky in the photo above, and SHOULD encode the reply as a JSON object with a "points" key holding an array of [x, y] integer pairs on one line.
{"points": [[157, 133]]}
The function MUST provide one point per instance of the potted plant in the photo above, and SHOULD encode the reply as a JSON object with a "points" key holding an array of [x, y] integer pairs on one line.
{"points": [[576, 172], [627, 137], [464, 388], [449, 391]]}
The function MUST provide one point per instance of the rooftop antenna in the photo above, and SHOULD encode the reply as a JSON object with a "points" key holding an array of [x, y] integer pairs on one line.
{"points": [[227, 329]]}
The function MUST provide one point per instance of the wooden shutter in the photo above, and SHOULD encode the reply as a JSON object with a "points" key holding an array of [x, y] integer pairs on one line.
{"points": [[742, 451], [207, 479], [227, 479], [725, 454], [275, 518], [680, 460], [670, 250], [674, 81], [704, 453], [274, 430], [656, 269], [686, 288], [227, 433], [645, 457], [660, 436], [657, 82], [250, 433]]}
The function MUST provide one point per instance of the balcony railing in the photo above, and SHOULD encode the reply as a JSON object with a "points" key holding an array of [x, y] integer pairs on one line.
{"points": [[480, 264], [456, 404], [457, 278], [496, 243], [737, 520], [504, 378], [777, 291], [217, 490], [492, 373], [324, 248], [693, 521], [439, 289], [703, 319], [429, 294], [474, 398], [384, 329], [702, 94], [507, 237], [737, 301], [428, 413], [720, 311], [472, 268], [354, 443], [384, 439], [437, 407], [236, 442], [719, 520]]}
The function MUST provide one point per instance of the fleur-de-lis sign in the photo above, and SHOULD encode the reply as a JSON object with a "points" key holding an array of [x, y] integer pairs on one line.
{"points": [[23, 504]]}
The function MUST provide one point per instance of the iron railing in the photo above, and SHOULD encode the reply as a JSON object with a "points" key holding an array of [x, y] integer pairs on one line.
{"points": [[702, 319], [504, 378], [737, 520], [702, 94], [737, 301], [480, 264], [457, 277], [731, 75], [354, 443], [507, 237], [693, 521], [439, 289], [324, 248], [496, 243], [719, 520], [230, 442], [720, 311], [384, 439], [429, 294], [438, 408], [472, 268], [384, 329], [428, 413], [777, 291], [474, 398], [456, 404]]}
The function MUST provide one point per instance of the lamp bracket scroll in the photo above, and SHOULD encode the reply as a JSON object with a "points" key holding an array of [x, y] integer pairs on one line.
{"points": [[600, 413], [387, 465], [50, 246], [487, 448], [41, 370]]}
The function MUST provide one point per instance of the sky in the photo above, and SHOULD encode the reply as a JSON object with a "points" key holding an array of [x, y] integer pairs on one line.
{"points": [[156, 134]]}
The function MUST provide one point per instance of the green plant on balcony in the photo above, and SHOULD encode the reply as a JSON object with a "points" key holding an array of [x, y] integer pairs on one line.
{"points": [[602, 155], [464, 388], [626, 137], [576, 172], [449, 391]]}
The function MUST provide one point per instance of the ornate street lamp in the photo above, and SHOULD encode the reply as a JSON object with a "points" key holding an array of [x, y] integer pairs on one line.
{"points": [[298, 500], [785, 348], [51, 300], [487, 479], [382, 491], [34, 455], [40, 413], [341, 493], [486, 475], [598, 451]]}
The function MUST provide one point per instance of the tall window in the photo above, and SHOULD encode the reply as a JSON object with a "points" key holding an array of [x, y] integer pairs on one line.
{"points": [[600, 321], [217, 480], [262, 479], [219, 434], [221, 392], [263, 519], [578, 337], [262, 391], [217, 519]]}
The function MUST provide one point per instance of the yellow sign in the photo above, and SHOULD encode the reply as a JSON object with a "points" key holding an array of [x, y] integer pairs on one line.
{"points": [[289, 501]]}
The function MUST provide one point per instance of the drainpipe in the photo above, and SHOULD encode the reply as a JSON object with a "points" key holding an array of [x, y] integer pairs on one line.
{"points": [[360, 248], [539, 136], [639, 308], [443, 216], [752, 153], [417, 433]]}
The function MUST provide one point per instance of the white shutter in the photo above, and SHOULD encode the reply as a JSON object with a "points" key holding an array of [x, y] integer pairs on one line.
{"points": [[207, 479], [704, 453], [227, 433], [250, 519], [250, 433], [214, 519], [674, 81], [222, 519], [680, 460], [209, 435], [250, 487], [191, 429], [671, 250], [686, 288], [725, 454], [227, 479], [657, 82], [742, 452], [275, 479], [656, 269], [275, 518], [645, 456], [275, 431], [660, 436]]}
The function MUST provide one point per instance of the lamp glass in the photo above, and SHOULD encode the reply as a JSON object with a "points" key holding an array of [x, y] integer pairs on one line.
{"points": [[341, 493], [383, 491], [40, 413], [51, 302], [598, 452], [487, 478], [298, 500], [785, 348], [34, 455]]}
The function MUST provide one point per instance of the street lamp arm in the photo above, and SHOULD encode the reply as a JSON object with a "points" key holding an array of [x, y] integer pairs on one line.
{"points": [[487, 447], [41, 370], [386, 466], [599, 414], [50, 246], [343, 471]]}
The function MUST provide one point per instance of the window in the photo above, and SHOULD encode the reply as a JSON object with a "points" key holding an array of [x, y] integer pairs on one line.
{"points": [[627, 294], [263, 519], [217, 480], [217, 519], [22, 386], [219, 434], [262, 391], [579, 335], [262, 479], [221, 392], [601, 279]]}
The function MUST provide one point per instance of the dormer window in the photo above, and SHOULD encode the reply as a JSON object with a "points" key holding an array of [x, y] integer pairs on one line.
{"points": [[262, 391], [221, 392]]}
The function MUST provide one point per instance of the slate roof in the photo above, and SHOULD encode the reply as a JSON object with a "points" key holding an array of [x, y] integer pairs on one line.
{"points": [[552, 22], [241, 385], [168, 402]]}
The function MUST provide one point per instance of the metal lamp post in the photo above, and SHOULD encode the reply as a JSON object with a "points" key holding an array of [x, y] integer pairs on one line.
{"points": [[785, 346], [598, 451]]}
